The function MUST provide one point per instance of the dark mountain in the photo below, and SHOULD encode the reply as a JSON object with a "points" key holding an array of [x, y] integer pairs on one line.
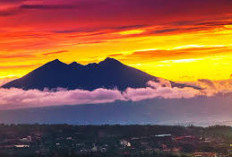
{"points": [[109, 74], [75, 65]]}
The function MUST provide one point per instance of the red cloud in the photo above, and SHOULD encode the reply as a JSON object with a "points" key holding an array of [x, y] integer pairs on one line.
{"points": [[56, 52]]}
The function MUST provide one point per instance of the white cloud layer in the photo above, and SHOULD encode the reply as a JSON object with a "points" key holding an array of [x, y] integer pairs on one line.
{"points": [[17, 98]]}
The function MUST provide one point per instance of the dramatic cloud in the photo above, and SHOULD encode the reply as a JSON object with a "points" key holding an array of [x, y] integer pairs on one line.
{"points": [[17, 98], [160, 92], [193, 51], [145, 34], [214, 87]]}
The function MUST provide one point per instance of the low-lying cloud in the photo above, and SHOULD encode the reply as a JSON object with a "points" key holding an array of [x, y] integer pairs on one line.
{"points": [[14, 98], [160, 90], [18, 98], [211, 88]]}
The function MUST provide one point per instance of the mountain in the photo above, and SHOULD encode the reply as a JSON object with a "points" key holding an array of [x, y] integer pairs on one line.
{"points": [[109, 74], [203, 111]]}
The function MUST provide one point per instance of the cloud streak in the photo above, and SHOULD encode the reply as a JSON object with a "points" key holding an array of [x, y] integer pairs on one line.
{"points": [[56, 52], [48, 7], [17, 98]]}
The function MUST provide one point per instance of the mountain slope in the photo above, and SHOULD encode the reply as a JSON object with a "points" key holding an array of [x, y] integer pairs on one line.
{"points": [[109, 74], [203, 111]]}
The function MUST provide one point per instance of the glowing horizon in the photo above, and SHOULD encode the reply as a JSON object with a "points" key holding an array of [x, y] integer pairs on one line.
{"points": [[176, 40]]}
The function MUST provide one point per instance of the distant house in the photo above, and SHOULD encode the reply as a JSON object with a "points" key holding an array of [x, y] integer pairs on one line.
{"points": [[69, 138], [94, 149], [103, 150], [21, 146], [27, 139], [176, 149], [57, 144], [205, 154], [208, 140], [135, 138], [185, 138], [125, 143], [163, 135], [165, 148]]}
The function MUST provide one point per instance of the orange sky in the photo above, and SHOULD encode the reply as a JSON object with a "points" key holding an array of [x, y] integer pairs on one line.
{"points": [[177, 40]]}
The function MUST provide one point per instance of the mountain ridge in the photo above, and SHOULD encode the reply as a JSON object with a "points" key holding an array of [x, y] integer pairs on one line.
{"points": [[109, 73]]}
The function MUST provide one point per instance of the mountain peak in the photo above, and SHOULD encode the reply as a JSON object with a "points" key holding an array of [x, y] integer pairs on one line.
{"points": [[109, 60], [54, 64], [56, 61], [75, 65]]}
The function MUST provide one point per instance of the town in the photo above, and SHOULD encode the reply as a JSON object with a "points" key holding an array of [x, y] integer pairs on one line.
{"points": [[114, 141]]}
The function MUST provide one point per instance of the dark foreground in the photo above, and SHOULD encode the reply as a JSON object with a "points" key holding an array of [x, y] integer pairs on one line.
{"points": [[114, 141]]}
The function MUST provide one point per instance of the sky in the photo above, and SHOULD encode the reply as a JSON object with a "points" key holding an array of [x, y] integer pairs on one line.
{"points": [[179, 40]]}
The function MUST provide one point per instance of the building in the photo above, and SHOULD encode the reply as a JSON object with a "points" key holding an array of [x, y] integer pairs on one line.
{"points": [[205, 154], [22, 146], [125, 143]]}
